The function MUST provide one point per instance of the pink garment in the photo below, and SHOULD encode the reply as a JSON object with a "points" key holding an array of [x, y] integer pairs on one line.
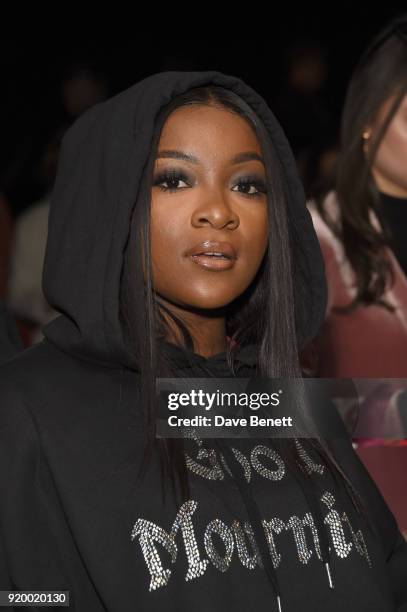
{"points": [[370, 342]]}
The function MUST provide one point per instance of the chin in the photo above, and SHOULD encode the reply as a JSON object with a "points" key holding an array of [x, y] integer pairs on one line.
{"points": [[208, 303]]}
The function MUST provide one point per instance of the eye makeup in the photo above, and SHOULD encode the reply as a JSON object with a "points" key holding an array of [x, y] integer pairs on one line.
{"points": [[173, 176]]}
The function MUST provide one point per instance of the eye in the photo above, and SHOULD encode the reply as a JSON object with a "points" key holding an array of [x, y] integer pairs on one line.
{"points": [[253, 186], [172, 178]]}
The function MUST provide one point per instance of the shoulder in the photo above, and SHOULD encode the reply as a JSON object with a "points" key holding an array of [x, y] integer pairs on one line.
{"points": [[381, 517], [331, 209], [25, 364], [53, 387], [43, 362], [361, 479], [331, 246], [38, 371], [336, 262]]}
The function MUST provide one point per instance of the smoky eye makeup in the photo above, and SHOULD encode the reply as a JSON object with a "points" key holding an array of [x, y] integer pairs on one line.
{"points": [[172, 179], [250, 180], [171, 176]]}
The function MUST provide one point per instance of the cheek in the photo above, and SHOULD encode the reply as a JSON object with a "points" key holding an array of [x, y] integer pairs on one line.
{"points": [[167, 243], [391, 157], [176, 278], [255, 238]]}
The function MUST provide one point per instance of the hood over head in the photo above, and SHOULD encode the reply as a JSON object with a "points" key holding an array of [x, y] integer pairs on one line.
{"points": [[102, 158]]}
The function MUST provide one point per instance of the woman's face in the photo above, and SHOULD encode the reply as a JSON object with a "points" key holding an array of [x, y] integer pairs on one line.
{"points": [[201, 192], [390, 164]]}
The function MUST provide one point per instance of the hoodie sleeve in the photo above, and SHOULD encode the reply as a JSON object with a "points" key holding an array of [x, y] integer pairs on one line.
{"points": [[392, 541], [28, 544], [10, 341], [5, 582], [397, 569]]}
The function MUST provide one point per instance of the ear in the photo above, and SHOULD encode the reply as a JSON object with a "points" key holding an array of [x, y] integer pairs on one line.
{"points": [[367, 132]]}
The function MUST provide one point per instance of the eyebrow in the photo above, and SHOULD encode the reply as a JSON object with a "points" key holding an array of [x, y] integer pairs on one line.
{"points": [[236, 159]]}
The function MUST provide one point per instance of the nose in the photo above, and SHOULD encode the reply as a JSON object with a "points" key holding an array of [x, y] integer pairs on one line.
{"points": [[214, 208]]}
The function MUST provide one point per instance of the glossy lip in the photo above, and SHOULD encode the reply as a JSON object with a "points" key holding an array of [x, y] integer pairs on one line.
{"points": [[212, 246], [212, 263]]}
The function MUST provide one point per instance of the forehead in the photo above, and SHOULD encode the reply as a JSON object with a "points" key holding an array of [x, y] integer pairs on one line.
{"points": [[208, 128]]}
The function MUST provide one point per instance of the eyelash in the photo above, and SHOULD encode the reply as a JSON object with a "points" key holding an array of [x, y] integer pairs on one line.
{"points": [[177, 175]]}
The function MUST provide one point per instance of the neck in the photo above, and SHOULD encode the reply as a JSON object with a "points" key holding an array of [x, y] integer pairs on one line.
{"points": [[208, 330], [388, 187]]}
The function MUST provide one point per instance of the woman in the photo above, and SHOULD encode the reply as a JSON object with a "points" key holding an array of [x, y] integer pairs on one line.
{"points": [[176, 165], [361, 220]]}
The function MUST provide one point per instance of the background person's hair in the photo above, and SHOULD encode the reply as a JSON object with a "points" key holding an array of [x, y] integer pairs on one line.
{"points": [[264, 314], [380, 74]]}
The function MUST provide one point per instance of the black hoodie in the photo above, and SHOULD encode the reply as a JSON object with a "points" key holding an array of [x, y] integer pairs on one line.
{"points": [[10, 341], [254, 534]]}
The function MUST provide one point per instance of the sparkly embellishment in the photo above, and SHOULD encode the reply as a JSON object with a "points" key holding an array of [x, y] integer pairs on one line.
{"points": [[222, 530], [308, 521], [276, 525], [244, 462], [309, 465], [155, 541], [150, 533], [297, 526], [214, 472], [333, 520], [261, 469], [183, 521], [225, 465], [358, 540], [249, 561]]}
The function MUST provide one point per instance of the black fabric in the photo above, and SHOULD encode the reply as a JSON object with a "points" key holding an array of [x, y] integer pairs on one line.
{"points": [[395, 213], [255, 533], [69, 455], [101, 162], [10, 341]]}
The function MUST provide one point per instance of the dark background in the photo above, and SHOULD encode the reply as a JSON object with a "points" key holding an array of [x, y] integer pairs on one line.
{"points": [[254, 42], [252, 45]]}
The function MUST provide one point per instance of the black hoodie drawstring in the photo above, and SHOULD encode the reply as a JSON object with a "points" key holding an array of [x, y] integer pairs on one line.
{"points": [[255, 517], [316, 511]]}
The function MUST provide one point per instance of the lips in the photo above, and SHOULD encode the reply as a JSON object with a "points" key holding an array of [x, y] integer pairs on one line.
{"points": [[213, 249]]}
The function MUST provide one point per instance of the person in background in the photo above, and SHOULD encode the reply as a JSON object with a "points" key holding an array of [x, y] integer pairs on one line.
{"points": [[25, 297], [361, 221], [82, 86]]}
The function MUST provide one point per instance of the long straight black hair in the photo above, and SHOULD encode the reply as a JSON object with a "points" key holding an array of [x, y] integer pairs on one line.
{"points": [[264, 314], [379, 75]]}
